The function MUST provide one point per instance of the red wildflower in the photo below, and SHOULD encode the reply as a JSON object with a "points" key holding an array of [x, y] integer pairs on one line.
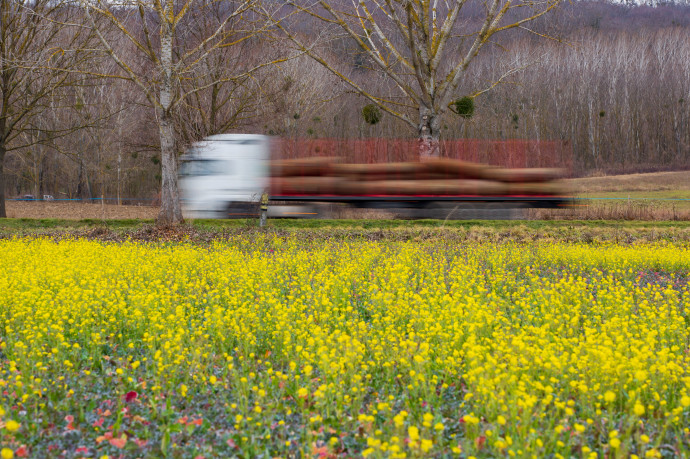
{"points": [[119, 442], [69, 418], [479, 442]]}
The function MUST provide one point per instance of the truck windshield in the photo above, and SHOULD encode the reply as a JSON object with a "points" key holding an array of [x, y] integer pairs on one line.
{"points": [[199, 167]]}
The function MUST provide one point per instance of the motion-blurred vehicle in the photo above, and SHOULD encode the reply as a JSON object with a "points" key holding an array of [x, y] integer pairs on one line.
{"points": [[225, 176]]}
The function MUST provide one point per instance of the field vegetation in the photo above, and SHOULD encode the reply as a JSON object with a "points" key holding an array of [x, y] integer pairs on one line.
{"points": [[653, 182], [649, 196], [660, 189], [346, 342]]}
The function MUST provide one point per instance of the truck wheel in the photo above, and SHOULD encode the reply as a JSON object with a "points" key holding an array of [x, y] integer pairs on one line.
{"points": [[243, 210]]}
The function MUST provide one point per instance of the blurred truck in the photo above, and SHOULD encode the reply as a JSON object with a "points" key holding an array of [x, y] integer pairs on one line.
{"points": [[225, 176]]}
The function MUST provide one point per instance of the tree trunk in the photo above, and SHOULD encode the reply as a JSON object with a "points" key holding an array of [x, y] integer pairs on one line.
{"points": [[119, 158], [119, 167], [83, 183], [428, 133], [3, 214], [37, 173], [170, 212]]}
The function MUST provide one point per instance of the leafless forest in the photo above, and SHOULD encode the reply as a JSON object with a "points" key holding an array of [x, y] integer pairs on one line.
{"points": [[613, 80]]}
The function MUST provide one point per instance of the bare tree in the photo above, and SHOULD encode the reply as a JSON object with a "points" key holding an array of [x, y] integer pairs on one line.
{"points": [[166, 53], [222, 104], [40, 46], [299, 91], [423, 46]]}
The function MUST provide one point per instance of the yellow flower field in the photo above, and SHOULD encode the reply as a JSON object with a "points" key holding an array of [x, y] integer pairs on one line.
{"points": [[274, 347]]}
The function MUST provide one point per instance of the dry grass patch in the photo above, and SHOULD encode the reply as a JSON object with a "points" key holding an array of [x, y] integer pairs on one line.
{"points": [[77, 210], [657, 181], [616, 210]]}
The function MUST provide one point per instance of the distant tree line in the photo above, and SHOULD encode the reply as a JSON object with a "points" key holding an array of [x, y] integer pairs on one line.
{"points": [[611, 79]]}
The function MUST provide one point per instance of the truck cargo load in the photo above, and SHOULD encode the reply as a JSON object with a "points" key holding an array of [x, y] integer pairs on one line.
{"points": [[226, 175]]}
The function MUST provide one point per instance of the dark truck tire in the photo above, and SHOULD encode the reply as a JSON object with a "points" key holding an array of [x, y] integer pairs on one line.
{"points": [[243, 210]]}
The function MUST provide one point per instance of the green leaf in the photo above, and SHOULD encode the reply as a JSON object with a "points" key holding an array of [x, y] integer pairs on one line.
{"points": [[165, 443]]}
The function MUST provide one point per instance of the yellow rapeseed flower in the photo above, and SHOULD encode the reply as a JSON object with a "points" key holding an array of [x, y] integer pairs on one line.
{"points": [[12, 425], [639, 409], [413, 433]]}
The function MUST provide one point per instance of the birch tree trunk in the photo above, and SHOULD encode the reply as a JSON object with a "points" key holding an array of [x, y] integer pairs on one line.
{"points": [[170, 211], [119, 169], [3, 150]]}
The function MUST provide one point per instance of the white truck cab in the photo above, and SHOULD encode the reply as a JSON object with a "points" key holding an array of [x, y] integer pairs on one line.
{"points": [[224, 176]]}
